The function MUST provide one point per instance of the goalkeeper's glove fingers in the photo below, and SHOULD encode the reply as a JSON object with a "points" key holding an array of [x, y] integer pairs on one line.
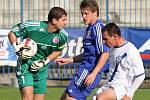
{"points": [[17, 46], [23, 52], [36, 65]]}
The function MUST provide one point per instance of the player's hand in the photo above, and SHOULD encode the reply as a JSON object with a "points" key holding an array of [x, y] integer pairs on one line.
{"points": [[89, 79], [21, 50], [17, 46], [63, 61], [23, 53], [126, 98], [36, 65]]}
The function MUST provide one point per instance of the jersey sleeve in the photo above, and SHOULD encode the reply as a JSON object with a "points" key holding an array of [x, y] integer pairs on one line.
{"points": [[97, 35], [63, 40], [22, 29], [19, 30], [136, 61]]}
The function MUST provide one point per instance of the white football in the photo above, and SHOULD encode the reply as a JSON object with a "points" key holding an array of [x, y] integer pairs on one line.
{"points": [[31, 44]]}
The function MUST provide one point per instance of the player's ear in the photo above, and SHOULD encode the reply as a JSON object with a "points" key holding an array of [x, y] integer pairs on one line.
{"points": [[54, 21]]}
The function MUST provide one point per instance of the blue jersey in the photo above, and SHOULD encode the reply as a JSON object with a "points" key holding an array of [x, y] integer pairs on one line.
{"points": [[93, 48], [93, 45]]}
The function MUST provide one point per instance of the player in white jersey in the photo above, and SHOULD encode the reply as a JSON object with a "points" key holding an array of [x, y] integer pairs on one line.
{"points": [[126, 71]]}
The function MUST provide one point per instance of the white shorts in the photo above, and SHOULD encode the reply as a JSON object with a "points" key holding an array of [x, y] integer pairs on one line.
{"points": [[120, 90]]}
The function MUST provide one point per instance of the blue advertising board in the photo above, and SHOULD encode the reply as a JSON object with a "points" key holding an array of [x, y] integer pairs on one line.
{"points": [[139, 37]]}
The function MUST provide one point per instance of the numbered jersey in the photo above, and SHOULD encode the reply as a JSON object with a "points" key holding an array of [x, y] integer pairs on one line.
{"points": [[38, 31]]}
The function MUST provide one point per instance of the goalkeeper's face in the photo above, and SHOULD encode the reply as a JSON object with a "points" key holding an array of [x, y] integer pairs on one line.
{"points": [[61, 23]]}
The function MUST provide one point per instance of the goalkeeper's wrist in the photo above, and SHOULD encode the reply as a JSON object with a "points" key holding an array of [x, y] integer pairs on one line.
{"points": [[14, 44], [46, 61]]}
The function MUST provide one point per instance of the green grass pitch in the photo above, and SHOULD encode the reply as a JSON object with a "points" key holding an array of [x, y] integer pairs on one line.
{"points": [[10, 93]]}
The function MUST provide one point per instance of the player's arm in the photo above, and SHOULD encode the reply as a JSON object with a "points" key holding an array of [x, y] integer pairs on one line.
{"points": [[75, 59], [13, 40], [38, 64], [137, 80], [103, 50], [102, 60], [138, 69], [12, 37], [17, 31], [17, 47], [63, 61], [54, 55], [78, 58]]}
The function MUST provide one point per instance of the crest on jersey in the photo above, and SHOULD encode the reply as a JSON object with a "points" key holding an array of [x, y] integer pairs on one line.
{"points": [[88, 34], [56, 39], [118, 59]]}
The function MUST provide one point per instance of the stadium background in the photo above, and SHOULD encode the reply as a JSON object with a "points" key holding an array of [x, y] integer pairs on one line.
{"points": [[131, 15]]}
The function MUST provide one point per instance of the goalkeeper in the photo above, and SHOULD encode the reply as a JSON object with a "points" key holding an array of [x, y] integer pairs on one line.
{"points": [[50, 38]]}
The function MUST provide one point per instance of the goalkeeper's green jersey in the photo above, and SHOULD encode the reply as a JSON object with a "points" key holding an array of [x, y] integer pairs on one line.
{"points": [[38, 31]]}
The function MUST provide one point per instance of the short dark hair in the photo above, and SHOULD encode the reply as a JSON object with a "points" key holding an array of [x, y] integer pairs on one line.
{"points": [[111, 28], [56, 12], [92, 4]]}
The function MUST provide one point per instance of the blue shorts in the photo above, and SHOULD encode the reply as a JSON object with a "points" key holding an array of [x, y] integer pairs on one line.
{"points": [[77, 89]]}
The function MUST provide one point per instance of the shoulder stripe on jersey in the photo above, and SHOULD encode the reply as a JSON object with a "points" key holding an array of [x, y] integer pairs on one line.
{"points": [[99, 41], [117, 64], [65, 32], [15, 29], [25, 24], [29, 24], [82, 77], [36, 25]]}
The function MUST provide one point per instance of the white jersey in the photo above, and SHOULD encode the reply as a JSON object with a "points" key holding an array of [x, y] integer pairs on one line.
{"points": [[125, 63]]}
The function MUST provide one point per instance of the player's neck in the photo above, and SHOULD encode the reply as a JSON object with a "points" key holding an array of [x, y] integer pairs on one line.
{"points": [[51, 28], [94, 20], [121, 41]]}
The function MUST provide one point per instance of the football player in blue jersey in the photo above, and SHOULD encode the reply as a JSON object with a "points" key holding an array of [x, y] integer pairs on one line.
{"points": [[93, 58]]}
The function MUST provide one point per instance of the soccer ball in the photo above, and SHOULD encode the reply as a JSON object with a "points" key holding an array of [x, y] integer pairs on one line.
{"points": [[29, 48]]}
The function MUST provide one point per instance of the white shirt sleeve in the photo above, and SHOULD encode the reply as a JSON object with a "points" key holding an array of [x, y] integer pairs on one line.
{"points": [[138, 70], [137, 81], [136, 61]]}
